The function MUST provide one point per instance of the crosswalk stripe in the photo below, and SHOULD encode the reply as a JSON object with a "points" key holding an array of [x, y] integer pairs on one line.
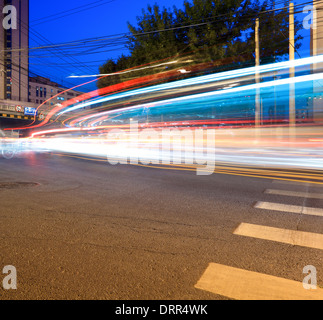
{"points": [[298, 238], [248, 285], [295, 194], [289, 208]]}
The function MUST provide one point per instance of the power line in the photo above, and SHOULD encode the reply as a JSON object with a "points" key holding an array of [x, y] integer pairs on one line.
{"points": [[124, 37], [70, 11], [117, 40]]}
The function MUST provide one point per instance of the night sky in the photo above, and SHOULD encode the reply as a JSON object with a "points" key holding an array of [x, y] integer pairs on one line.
{"points": [[54, 22]]}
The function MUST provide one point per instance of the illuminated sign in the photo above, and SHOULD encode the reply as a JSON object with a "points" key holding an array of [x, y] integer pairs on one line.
{"points": [[30, 111]]}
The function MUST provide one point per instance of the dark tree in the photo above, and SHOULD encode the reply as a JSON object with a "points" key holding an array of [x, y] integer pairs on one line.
{"points": [[206, 31]]}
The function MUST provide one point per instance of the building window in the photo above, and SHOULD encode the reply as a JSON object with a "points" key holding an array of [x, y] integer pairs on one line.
{"points": [[8, 39], [37, 92]]}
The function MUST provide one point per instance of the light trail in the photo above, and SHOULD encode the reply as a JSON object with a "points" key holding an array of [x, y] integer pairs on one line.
{"points": [[226, 77], [196, 147], [201, 124], [209, 79], [199, 97]]}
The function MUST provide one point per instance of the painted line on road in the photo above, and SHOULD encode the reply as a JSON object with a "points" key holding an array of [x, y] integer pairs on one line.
{"points": [[296, 238], [247, 285], [295, 194], [289, 208], [298, 183]]}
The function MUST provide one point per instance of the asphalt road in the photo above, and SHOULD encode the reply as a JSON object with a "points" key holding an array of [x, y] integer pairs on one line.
{"points": [[90, 230]]}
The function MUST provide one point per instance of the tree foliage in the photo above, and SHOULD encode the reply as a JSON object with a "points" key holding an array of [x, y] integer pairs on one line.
{"points": [[206, 31]]}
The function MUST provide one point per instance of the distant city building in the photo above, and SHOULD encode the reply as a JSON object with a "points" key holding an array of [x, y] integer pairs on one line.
{"points": [[20, 94], [42, 89], [14, 44]]}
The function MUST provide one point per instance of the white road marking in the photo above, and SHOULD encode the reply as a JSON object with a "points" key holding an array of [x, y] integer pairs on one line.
{"points": [[289, 208], [293, 237], [298, 183], [295, 194], [247, 285]]}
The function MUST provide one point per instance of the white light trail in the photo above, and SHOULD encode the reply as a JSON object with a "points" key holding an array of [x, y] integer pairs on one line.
{"points": [[233, 74]]}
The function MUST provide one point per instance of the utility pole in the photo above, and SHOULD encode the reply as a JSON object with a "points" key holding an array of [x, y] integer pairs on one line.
{"points": [[257, 108], [292, 120], [315, 67], [275, 72], [314, 33]]}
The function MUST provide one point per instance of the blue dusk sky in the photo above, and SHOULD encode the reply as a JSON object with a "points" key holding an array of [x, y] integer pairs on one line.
{"points": [[57, 22], [61, 21]]}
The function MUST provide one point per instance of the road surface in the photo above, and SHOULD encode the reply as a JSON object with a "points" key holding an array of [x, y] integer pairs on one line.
{"points": [[78, 229]]}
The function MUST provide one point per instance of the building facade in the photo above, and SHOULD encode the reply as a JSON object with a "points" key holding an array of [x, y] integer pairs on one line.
{"points": [[19, 91], [14, 44], [43, 90]]}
